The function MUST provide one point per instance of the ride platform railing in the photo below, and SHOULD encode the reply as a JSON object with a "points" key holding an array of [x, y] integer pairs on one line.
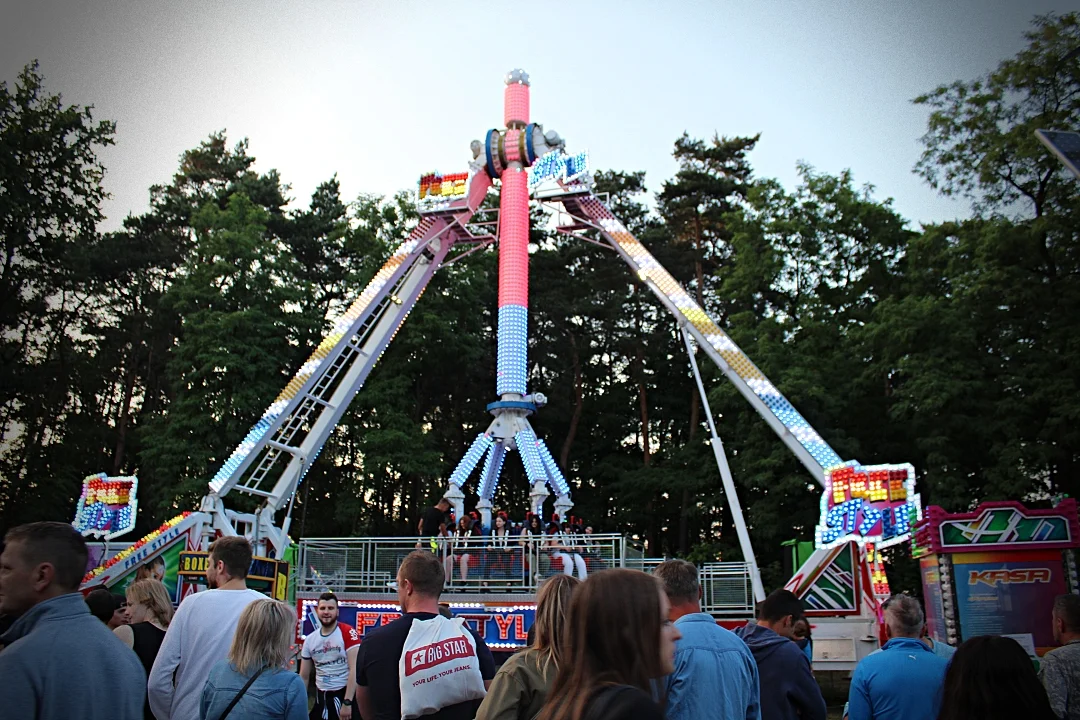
{"points": [[368, 565]]}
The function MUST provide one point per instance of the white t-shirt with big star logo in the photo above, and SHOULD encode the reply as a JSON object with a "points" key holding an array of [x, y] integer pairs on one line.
{"points": [[328, 652]]}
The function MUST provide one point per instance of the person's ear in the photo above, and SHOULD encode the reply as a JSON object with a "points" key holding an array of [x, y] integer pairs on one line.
{"points": [[700, 593], [42, 576]]}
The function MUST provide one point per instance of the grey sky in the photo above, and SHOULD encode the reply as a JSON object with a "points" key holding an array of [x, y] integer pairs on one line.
{"points": [[380, 92]]}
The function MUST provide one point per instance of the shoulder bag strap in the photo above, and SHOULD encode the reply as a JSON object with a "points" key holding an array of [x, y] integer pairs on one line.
{"points": [[240, 694]]}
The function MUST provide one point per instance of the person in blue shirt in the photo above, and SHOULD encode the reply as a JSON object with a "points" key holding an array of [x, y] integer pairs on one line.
{"points": [[789, 689], [715, 675], [904, 680]]}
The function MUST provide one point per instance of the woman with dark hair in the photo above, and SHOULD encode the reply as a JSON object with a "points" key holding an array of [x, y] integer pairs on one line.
{"points": [[563, 553], [532, 539], [992, 678], [500, 554], [522, 683], [461, 548], [618, 639]]}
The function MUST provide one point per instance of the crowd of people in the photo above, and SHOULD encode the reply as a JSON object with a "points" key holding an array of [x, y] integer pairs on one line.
{"points": [[619, 644], [506, 549]]}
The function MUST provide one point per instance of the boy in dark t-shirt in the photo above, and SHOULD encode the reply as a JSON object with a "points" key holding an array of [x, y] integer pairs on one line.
{"points": [[378, 695], [377, 670], [432, 518]]}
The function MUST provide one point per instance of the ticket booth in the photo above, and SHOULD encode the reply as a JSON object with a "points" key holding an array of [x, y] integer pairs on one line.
{"points": [[996, 570]]}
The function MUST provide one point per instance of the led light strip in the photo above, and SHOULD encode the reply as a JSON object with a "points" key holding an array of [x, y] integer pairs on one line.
{"points": [[561, 486], [530, 458], [499, 450], [126, 552], [650, 269], [475, 452], [313, 363]]}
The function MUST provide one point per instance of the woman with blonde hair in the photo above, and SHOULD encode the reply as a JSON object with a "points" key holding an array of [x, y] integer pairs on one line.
{"points": [[522, 683], [253, 683], [150, 612]]}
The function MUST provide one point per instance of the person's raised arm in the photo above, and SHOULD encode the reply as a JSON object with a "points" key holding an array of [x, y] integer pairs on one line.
{"points": [[159, 686]]}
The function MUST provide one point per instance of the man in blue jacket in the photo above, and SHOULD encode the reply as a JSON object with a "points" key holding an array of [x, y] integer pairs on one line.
{"points": [[715, 675], [790, 691], [59, 661], [903, 681]]}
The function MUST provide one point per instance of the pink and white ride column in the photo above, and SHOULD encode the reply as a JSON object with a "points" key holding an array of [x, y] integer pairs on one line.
{"points": [[507, 155]]}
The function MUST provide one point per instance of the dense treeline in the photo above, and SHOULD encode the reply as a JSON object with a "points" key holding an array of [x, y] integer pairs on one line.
{"points": [[955, 347]]}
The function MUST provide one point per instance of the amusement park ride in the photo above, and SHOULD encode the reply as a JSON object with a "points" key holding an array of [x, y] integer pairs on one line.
{"points": [[863, 507]]}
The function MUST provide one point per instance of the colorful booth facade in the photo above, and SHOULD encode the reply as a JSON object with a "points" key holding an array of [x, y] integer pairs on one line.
{"points": [[996, 570]]}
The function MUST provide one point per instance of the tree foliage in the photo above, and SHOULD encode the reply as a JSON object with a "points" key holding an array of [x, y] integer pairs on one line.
{"points": [[152, 349]]}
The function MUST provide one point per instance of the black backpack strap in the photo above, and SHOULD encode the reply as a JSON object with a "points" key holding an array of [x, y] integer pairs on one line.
{"points": [[240, 694]]}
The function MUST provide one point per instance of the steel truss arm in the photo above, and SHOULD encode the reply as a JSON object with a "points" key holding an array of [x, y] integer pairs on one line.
{"points": [[809, 447], [276, 454]]}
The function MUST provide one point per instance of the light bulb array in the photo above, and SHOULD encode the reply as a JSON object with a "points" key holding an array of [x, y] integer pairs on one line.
{"points": [[471, 458], [489, 480], [561, 486], [884, 505], [107, 506], [530, 458], [341, 326], [513, 348], [877, 572], [557, 166], [436, 188], [650, 270], [868, 504], [135, 547]]}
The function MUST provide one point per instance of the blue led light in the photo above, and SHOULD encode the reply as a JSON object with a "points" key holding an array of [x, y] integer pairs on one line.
{"points": [[556, 165], [489, 480], [513, 349], [902, 518], [871, 516], [471, 459], [560, 485], [530, 458], [577, 165]]}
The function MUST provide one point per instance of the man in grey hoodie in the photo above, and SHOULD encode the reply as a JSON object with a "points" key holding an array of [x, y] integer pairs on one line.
{"points": [[59, 661], [788, 688]]}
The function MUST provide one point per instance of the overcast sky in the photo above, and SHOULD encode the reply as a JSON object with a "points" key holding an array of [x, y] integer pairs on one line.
{"points": [[380, 92]]}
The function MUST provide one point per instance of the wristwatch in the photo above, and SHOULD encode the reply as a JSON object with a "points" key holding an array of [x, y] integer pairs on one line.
{"points": [[347, 703]]}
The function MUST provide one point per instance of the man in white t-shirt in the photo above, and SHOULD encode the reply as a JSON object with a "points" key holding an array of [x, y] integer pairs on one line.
{"points": [[331, 649], [201, 632]]}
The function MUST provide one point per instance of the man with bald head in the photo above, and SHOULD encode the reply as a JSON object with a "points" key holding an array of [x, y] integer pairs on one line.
{"points": [[903, 681]]}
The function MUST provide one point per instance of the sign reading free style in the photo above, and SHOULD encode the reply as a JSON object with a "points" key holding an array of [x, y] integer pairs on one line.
{"points": [[503, 627]]}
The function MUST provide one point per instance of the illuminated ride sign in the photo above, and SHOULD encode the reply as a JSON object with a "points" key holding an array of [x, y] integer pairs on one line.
{"points": [[557, 166], [437, 190], [868, 504], [107, 506], [502, 627]]}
